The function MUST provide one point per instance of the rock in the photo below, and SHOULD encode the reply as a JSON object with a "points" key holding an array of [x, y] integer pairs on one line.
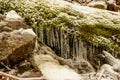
{"points": [[30, 73], [83, 66], [109, 69], [1, 17], [112, 6], [11, 21], [118, 2], [115, 63], [79, 1], [52, 70], [98, 4], [50, 66], [16, 45]]}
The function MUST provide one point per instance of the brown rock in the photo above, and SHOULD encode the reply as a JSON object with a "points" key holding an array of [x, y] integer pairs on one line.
{"points": [[16, 45], [1, 17], [98, 4]]}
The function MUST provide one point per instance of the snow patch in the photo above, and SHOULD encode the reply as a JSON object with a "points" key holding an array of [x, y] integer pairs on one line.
{"points": [[53, 70], [25, 31], [29, 31], [12, 15]]}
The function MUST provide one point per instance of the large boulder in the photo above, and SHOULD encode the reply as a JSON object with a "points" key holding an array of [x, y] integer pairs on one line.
{"points": [[16, 45]]}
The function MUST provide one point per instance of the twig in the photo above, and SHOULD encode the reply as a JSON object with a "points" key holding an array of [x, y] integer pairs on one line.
{"points": [[11, 76], [17, 78], [5, 66], [36, 78]]}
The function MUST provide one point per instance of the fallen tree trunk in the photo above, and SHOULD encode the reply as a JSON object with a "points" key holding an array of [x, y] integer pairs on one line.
{"points": [[72, 31]]}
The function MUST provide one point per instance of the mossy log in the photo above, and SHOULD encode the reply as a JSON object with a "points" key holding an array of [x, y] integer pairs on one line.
{"points": [[71, 30]]}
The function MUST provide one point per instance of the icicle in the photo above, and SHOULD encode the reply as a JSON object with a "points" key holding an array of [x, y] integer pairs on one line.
{"points": [[40, 37], [61, 44]]}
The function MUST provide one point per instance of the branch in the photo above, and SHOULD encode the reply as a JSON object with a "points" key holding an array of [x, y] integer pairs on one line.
{"points": [[17, 78], [11, 76]]}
